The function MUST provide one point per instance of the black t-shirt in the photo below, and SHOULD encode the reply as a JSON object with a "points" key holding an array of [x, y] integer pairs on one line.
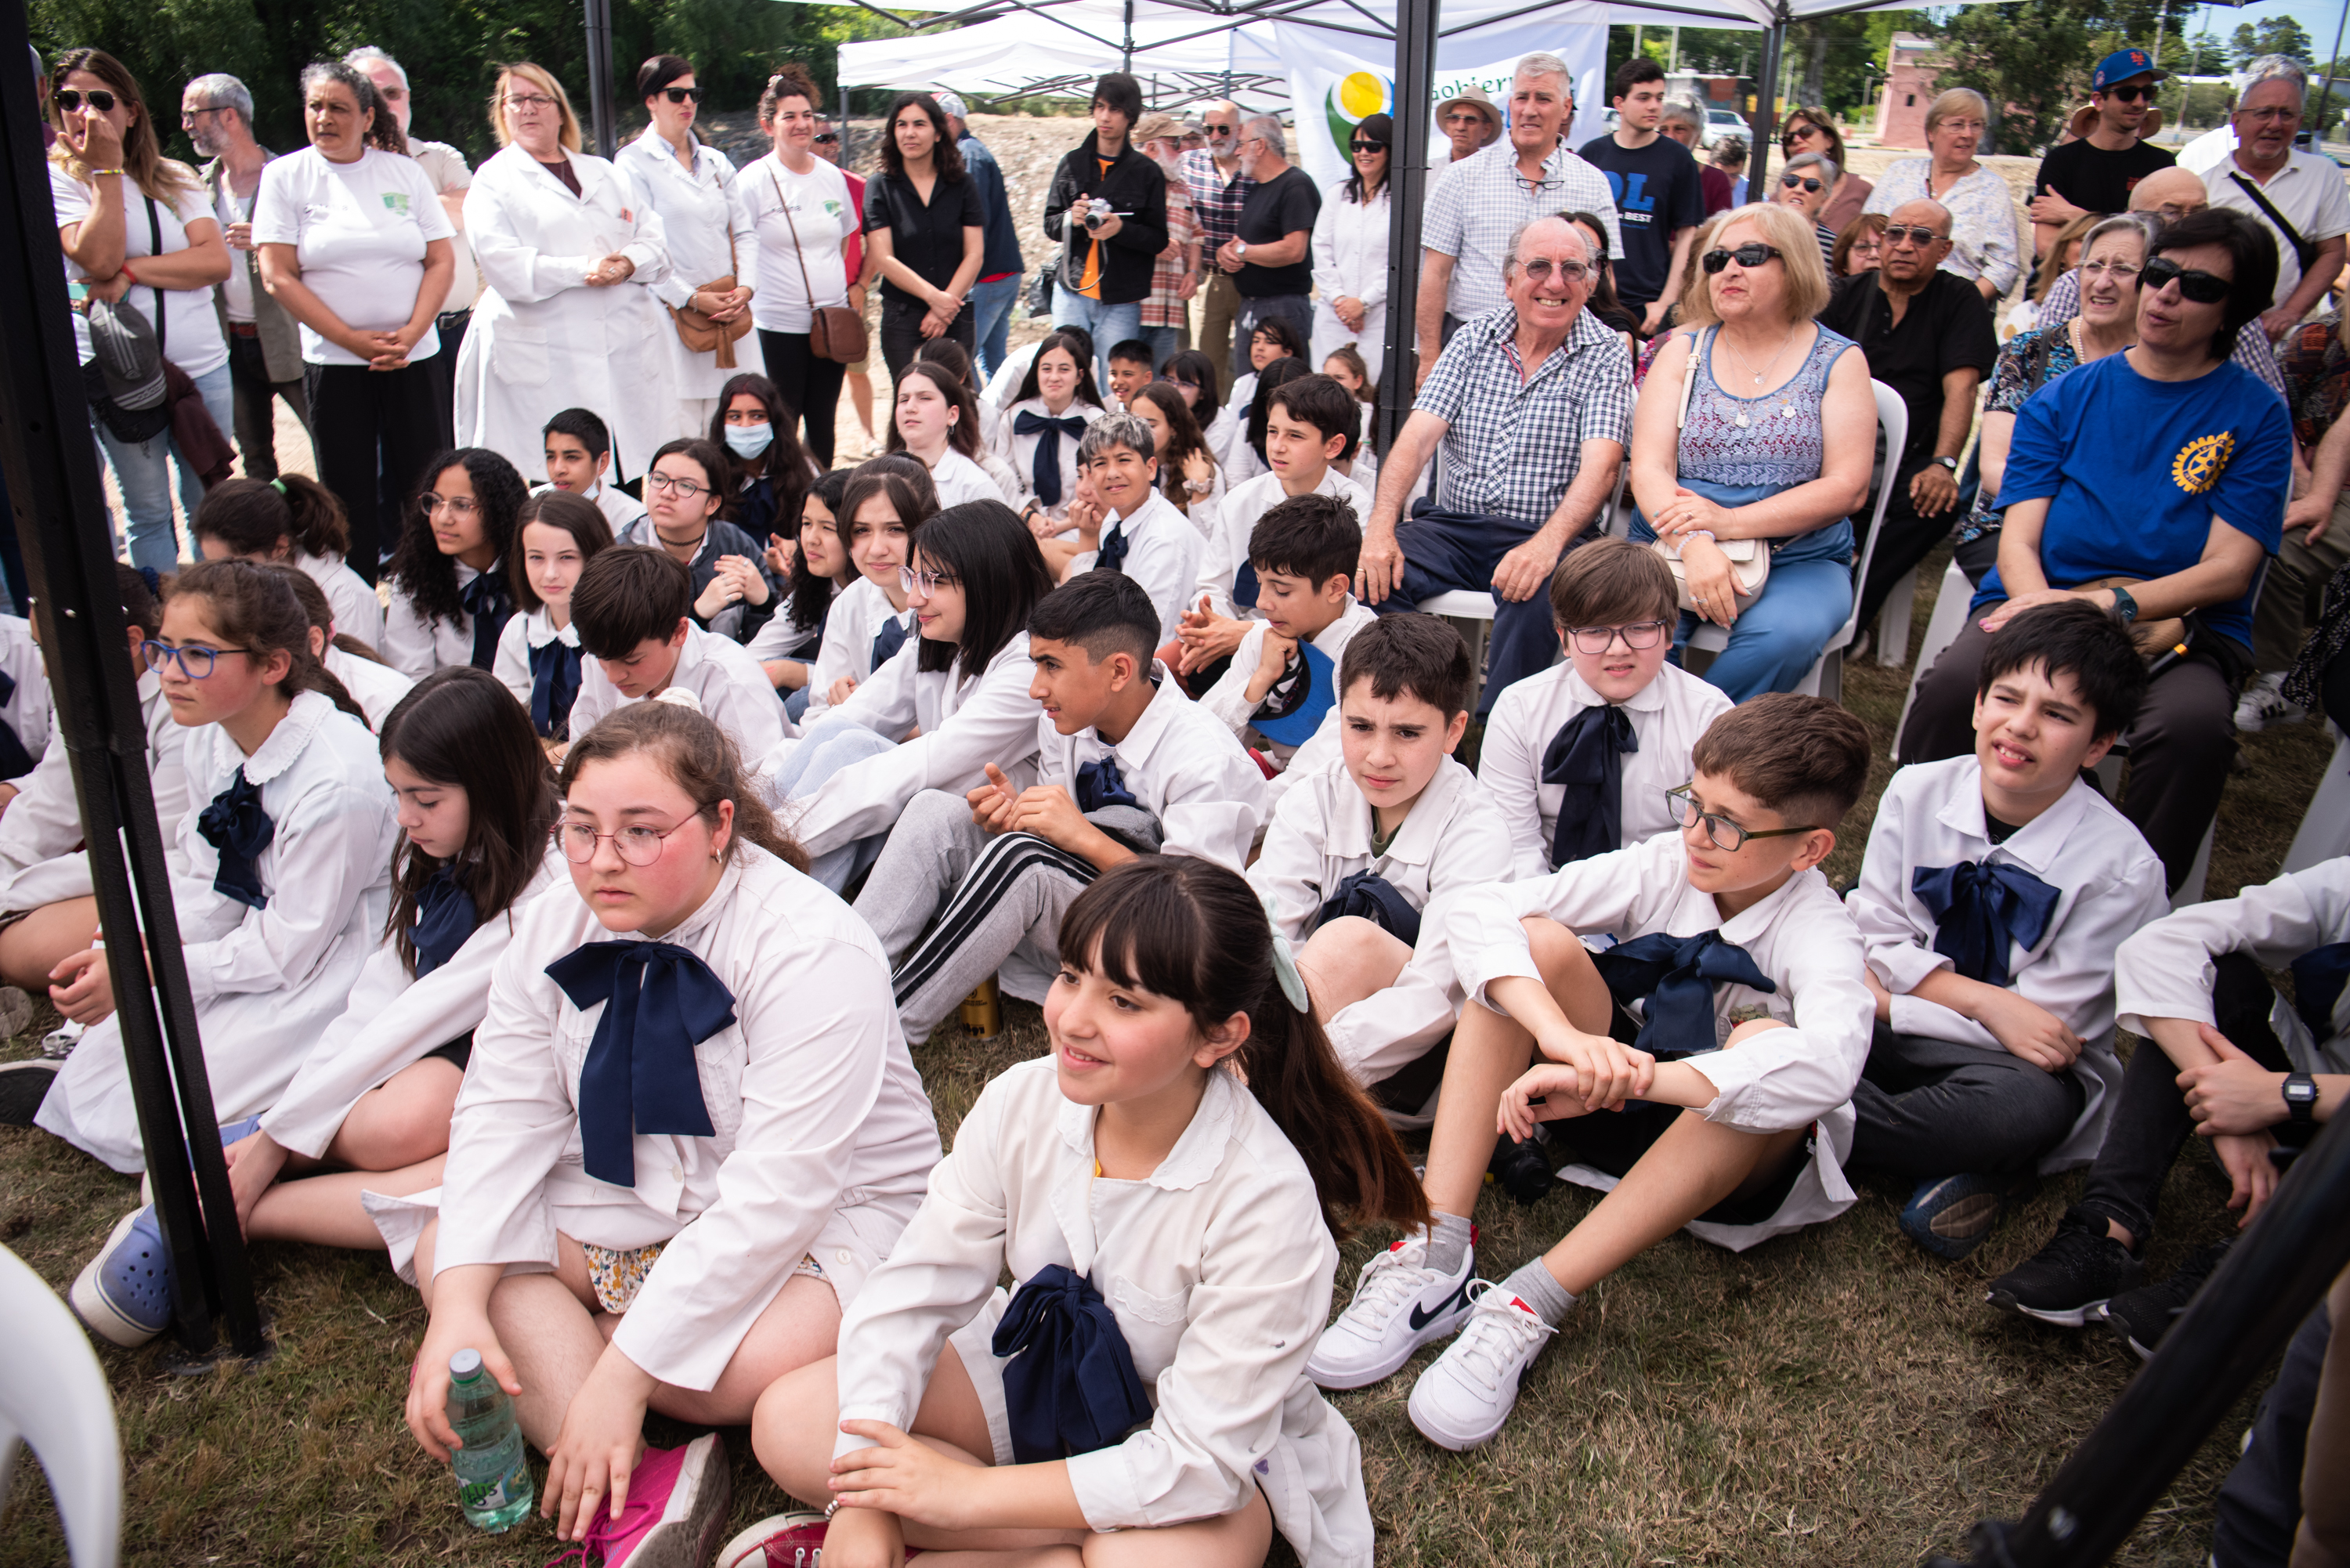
{"points": [[1999, 832], [1276, 208], [1946, 326], [927, 237], [2095, 180], [1657, 189]]}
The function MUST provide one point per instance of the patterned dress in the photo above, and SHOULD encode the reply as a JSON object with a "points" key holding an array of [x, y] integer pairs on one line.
{"points": [[2029, 362]]}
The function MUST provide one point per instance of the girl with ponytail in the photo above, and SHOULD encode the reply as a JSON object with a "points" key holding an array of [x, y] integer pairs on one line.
{"points": [[297, 520], [374, 685], [280, 861], [1166, 1187]]}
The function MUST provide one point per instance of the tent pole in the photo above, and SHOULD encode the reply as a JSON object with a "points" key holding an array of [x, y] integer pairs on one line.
{"points": [[1128, 39], [1765, 123], [1415, 76], [599, 77]]}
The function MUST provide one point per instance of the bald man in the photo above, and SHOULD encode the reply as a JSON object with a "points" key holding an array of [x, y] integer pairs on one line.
{"points": [[1220, 184]]}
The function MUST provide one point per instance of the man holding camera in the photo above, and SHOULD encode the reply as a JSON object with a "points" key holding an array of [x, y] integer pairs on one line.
{"points": [[1107, 209]]}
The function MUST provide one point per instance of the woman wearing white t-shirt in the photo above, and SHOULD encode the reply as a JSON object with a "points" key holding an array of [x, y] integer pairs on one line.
{"points": [[133, 223], [688, 182], [802, 222], [355, 246]]}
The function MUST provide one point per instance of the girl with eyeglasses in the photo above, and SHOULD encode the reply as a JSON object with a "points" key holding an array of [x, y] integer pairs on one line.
{"points": [[1814, 131], [688, 183], [688, 505], [449, 595], [1987, 242], [282, 856], [1350, 251]]}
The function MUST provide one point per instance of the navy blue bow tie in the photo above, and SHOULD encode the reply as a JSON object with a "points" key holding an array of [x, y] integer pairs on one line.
{"points": [[1099, 784], [1046, 468], [1111, 556], [661, 1001], [1979, 909], [15, 760], [888, 641], [488, 605], [445, 919], [1373, 898], [1069, 1383], [1587, 756], [1676, 975], [554, 687], [236, 826], [2319, 977]]}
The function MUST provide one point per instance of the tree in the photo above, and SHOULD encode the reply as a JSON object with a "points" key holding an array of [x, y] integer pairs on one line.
{"points": [[2276, 36], [2032, 59], [2203, 55]]}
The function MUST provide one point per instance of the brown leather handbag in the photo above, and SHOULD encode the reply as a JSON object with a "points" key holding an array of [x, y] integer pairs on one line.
{"points": [[835, 332], [700, 334]]}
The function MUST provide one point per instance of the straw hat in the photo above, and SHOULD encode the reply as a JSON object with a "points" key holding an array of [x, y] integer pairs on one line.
{"points": [[1157, 127], [2085, 117], [1475, 98]]}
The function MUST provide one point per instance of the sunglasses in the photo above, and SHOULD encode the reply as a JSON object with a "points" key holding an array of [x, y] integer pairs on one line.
{"points": [[1789, 182], [682, 95], [1220, 131], [2129, 94], [1797, 133], [826, 138], [1368, 146], [1753, 253], [71, 99], [1917, 235], [2202, 288]]}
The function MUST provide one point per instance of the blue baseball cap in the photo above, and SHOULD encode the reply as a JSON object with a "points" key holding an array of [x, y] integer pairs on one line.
{"points": [[2122, 65]]}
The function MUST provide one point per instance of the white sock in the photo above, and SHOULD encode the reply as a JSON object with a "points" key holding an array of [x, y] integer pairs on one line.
{"points": [[1448, 1243]]}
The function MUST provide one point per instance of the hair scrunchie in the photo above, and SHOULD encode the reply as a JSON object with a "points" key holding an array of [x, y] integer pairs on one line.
{"points": [[1284, 962]]}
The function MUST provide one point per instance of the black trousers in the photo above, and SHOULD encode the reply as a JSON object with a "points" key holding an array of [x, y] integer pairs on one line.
{"points": [[1907, 539], [1928, 1107], [256, 415], [810, 386], [901, 331], [375, 431]]}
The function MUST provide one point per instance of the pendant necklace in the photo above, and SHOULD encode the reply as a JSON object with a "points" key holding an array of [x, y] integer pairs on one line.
{"points": [[1786, 411]]}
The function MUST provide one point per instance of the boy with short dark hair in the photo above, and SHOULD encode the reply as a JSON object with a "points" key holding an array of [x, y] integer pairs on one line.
{"points": [[1129, 371], [1579, 756], [1126, 765], [1282, 678], [1994, 893], [1732, 1096], [1140, 533], [631, 608], [578, 455]]}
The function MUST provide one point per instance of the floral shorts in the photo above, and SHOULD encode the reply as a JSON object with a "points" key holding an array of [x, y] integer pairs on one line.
{"points": [[617, 1274]]}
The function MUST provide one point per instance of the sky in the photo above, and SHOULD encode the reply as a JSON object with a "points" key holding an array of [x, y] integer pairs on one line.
{"points": [[2318, 18]]}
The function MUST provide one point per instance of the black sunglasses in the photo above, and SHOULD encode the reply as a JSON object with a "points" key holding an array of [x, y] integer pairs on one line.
{"points": [[1753, 253], [71, 99], [2129, 94], [1917, 235], [828, 135], [1368, 146], [2202, 288], [680, 95], [1791, 181]]}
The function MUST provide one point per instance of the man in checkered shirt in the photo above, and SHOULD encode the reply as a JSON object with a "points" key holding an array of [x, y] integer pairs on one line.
{"points": [[1532, 404], [1488, 197], [1219, 188]]}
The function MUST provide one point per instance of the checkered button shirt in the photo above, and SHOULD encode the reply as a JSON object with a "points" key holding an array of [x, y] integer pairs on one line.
{"points": [[1165, 305], [1484, 199], [1216, 204], [1513, 443]]}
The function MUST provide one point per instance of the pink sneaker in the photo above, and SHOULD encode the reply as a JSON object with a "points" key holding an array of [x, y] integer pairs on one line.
{"points": [[782, 1541], [676, 1507]]}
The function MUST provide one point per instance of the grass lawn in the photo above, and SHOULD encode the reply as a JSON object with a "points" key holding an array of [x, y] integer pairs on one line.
{"points": [[1834, 1397]]}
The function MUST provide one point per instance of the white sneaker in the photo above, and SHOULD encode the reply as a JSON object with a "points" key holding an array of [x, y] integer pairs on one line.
{"points": [[1467, 1393], [2264, 704], [1400, 1304]]}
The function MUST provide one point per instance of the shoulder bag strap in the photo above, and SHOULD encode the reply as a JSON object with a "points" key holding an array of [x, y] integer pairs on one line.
{"points": [[2301, 249], [155, 248], [806, 286]]}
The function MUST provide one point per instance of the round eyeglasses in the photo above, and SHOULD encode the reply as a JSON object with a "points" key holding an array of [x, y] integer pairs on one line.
{"points": [[195, 663], [634, 846], [1723, 832]]}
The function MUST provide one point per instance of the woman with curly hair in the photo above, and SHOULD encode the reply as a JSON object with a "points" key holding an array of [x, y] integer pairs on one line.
{"points": [[449, 597]]}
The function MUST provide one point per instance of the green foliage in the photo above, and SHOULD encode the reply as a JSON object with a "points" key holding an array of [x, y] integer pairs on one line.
{"points": [[2032, 61], [2275, 35], [1833, 61], [2204, 56]]}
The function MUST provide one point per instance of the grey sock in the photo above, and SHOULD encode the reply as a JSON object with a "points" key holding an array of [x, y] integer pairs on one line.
{"points": [[1535, 1285], [1448, 1243]]}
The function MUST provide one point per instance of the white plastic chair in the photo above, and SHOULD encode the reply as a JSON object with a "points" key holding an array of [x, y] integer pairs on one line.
{"points": [[1474, 611], [1942, 629], [1825, 677], [1893, 621], [2325, 827], [54, 1395]]}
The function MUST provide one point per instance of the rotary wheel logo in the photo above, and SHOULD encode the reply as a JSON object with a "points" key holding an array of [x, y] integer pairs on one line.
{"points": [[2200, 461]]}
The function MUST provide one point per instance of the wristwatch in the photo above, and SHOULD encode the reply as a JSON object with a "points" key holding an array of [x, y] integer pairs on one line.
{"points": [[2301, 1097], [1240, 249], [1948, 464], [2124, 605]]}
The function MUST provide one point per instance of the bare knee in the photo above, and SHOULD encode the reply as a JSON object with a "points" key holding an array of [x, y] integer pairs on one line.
{"points": [[792, 1428], [1354, 957]]}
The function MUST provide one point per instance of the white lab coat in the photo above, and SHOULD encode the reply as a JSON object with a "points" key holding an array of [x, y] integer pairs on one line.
{"points": [[705, 235], [395, 1019], [2166, 970], [734, 692], [41, 860], [264, 981], [541, 340], [376, 688], [959, 480], [27, 709], [850, 625], [1162, 554], [417, 647], [1226, 549], [1018, 453], [1217, 1267], [1228, 699], [1350, 262], [357, 612]]}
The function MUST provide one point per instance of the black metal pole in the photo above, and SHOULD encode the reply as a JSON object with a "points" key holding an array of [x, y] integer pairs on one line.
{"points": [[1415, 76], [604, 125], [1765, 122], [52, 466], [2235, 1324]]}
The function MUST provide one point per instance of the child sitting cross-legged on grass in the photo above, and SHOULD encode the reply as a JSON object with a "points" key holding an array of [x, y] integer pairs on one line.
{"points": [[1995, 891], [1731, 1105], [1283, 679]]}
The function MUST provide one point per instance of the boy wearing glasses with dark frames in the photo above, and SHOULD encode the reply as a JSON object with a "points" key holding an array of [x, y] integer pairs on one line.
{"points": [[633, 607], [1730, 1087], [2098, 173]]}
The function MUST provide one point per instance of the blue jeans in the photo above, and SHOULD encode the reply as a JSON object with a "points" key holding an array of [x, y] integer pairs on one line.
{"points": [[139, 468], [993, 303], [1297, 309], [1110, 325], [1164, 341], [1457, 552], [830, 744]]}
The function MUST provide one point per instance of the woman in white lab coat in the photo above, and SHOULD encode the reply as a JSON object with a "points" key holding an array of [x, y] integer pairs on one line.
{"points": [[570, 255], [282, 881], [690, 184], [1350, 252]]}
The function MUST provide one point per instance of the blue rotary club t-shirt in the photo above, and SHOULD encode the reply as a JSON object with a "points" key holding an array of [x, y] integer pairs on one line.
{"points": [[2135, 470]]}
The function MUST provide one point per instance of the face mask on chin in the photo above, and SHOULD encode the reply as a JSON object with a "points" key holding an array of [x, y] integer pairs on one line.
{"points": [[749, 441]]}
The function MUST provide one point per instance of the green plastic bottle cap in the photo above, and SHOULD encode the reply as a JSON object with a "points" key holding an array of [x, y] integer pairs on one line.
{"points": [[465, 1365]]}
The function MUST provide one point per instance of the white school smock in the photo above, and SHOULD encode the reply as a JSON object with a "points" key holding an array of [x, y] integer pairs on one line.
{"points": [[966, 722], [2166, 970], [1217, 1266], [824, 1136], [1183, 767], [417, 647], [2108, 883], [734, 692], [542, 341], [1226, 550], [1453, 838], [376, 688], [264, 981], [357, 612], [958, 479], [41, 860], [705, 236], [1801, 937], [526, 630], [1018, 452], [847, 649], [1162, 554], [1668, 716], [1228, 699], [395, 1019], [27, 709]]}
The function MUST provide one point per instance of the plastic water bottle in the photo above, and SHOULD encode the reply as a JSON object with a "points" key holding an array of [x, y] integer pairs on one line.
{"points": [[493, 1474]]}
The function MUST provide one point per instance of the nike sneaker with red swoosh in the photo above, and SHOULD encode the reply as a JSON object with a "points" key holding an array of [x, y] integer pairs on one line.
{"points": [[1400, 1303]]}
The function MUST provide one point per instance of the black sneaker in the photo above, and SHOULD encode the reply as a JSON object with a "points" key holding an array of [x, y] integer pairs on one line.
{"points": [[23, 1086], [2079, 1271], [1523, 1169], [2143, 1316]]}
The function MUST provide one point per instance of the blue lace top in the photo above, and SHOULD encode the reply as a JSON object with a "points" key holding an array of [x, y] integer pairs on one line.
{"points": [[1775, 439]]}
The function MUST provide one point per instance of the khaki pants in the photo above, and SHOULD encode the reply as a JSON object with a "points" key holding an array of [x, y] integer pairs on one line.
{"points": [[2292, 593], [1219, 302]]}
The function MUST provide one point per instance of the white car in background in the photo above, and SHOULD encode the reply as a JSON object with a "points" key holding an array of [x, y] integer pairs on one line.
{"points": [[1721, 122]]}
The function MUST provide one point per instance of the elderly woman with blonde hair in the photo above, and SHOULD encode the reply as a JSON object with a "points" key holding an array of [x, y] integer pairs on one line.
{"points": [[1753, 440], [1986, 236]]}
